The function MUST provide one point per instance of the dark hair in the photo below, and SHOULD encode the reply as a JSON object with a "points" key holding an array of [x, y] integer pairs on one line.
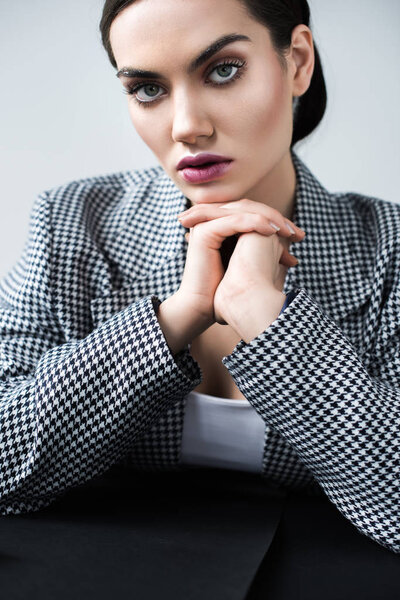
{"points": [[280, 17]]}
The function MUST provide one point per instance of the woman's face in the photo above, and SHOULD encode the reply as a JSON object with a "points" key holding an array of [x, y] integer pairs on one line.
{"points": [[242, 111]]}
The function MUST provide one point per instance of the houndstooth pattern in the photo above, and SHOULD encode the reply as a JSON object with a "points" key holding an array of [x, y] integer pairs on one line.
{"points": [[87, 379]]}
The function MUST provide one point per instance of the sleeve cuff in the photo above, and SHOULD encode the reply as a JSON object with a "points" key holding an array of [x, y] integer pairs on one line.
{"points": [[184, 361]]}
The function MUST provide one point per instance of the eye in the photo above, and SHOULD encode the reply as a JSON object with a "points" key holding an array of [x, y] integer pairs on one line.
{"points": [[223, 69], [149, 90]]}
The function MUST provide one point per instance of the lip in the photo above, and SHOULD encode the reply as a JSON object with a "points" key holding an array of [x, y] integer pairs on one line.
{"points": [[206, 173], [200, 159]]}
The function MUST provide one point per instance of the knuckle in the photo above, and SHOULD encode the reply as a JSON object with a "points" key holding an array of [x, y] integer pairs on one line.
{"points": [[260, 219], [257, 219], [246, 203]]}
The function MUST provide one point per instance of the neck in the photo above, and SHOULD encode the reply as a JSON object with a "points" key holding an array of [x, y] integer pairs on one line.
{"points": [[278, 188]]}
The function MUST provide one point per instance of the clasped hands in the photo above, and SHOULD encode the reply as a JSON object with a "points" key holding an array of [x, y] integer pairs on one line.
{"points": [[248, 295]]}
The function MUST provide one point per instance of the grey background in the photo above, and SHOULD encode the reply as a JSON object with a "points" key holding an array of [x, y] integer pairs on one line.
{"points": [[63, 115]]}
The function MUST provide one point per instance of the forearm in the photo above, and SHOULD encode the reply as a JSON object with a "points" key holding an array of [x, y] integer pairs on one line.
{"points": [[129, 378], [341, 423]]}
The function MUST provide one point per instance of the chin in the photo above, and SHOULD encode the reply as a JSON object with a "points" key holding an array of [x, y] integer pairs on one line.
{"points": [[211, 193]]}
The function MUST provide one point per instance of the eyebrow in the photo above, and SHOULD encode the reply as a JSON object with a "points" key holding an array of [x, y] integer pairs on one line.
{"points": [[194, 64]]}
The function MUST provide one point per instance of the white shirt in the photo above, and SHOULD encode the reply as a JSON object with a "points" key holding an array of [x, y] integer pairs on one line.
{"points": [[221, 432]]}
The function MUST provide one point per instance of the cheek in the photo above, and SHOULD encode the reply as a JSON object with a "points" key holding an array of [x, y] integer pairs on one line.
{"points": [[141, 123], [266, 109], [150, 130]]}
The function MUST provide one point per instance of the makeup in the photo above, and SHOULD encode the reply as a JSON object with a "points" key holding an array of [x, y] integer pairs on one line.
{"points": [[207, 172]]}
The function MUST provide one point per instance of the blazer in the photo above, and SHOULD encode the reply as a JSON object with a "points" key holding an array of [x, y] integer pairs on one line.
{"points": [[88, 381]]}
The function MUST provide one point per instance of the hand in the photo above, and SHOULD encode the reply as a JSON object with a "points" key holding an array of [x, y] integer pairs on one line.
{"points": [[255, 269], [210, 225]]}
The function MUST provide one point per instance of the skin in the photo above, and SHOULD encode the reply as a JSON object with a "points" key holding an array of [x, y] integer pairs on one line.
{"points": [[250, 120], [192, 116]]}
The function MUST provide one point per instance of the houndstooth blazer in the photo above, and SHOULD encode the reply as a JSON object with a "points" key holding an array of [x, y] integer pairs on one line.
{"points": [[87, 379]]}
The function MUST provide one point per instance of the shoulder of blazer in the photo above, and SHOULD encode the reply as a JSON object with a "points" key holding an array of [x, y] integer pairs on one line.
{"points": [[97, 199], [378, 215], [372, 229], [120, 216], [83, 221], [351, 243], [88, 214]]}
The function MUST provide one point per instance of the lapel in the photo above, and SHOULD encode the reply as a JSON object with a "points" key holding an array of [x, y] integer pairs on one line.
{"points": [[150, 249], [330, 269]]}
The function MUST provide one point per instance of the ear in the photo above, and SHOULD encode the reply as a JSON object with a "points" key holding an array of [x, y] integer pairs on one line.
{"points": [[301, 59]]}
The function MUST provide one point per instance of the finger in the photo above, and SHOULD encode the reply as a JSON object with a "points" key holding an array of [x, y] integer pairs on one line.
{"points": [[187, 234], [276, 222], [288, 259], [286, 227], [247, 205], [269, 227], [216, 230]]}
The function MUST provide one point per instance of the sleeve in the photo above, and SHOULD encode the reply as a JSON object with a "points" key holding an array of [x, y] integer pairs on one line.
{"points": [[305, 379], [70, 410]]}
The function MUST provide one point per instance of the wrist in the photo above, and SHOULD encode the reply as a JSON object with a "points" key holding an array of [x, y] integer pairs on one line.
{"points": [[179, 324], [254, 310]]}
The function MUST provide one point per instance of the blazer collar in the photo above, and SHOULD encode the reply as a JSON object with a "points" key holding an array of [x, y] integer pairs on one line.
{"points": [[329, 269], [150, 249]]}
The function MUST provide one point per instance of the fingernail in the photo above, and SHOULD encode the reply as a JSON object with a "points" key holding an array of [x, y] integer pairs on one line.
{"points": [[274, 225], [290, 228]]}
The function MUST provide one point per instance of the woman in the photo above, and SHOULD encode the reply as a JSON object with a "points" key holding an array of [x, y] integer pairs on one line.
{"points": [[121, 321]]}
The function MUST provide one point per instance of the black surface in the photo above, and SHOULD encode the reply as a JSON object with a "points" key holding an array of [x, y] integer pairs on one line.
{"points": [[317, 554], [198, 534]]}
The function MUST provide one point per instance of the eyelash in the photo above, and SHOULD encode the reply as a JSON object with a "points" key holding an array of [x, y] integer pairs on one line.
{"points": [[146, 104]]}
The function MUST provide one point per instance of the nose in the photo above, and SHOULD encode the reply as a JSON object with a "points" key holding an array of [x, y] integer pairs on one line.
{"points": [[190, 120]]}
